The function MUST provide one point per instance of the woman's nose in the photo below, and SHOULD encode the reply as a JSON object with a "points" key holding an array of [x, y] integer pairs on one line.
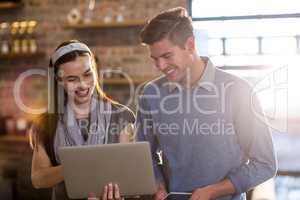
{"points": [[83, 83]]}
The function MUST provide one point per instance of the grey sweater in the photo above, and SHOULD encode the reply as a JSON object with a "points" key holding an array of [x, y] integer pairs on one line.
{"points": [[213, 131]]}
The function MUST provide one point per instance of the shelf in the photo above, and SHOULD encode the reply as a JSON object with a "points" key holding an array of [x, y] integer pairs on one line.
{"points": [[21, 56], [124, 24], [9, 5], [123, 81], [14, 138]]}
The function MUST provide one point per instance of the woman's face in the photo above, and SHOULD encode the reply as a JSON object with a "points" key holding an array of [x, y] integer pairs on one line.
{"points": [[78, 79]]}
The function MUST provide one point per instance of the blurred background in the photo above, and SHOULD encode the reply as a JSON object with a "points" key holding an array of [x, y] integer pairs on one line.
{"points": [[258, 40]]}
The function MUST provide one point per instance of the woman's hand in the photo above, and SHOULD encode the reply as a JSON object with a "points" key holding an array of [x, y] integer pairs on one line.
{"points": [[127, 134], [161, 192], [110, 192]]}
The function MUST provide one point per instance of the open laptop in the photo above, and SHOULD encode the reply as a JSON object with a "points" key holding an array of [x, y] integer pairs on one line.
{"points": [[87, 169]]}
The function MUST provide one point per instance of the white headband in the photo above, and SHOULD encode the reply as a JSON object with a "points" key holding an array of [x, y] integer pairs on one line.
{"points": [[67, 49]]}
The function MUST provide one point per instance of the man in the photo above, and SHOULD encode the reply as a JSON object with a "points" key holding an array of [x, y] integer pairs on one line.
{"points": [[203, 120]]}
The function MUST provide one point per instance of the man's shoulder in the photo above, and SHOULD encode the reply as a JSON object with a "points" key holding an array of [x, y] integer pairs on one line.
{"points": [[227, 77], [155, 85]]}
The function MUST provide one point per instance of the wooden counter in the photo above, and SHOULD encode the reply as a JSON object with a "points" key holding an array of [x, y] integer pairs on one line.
{"points": [[14, 138]]}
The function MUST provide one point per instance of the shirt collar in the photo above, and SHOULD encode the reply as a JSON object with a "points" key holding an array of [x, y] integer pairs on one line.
{"points": [[206, 79]]}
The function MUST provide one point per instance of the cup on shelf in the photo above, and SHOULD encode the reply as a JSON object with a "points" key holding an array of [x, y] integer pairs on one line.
{"points": [[10, 126], [74, 16], [21, 126]]}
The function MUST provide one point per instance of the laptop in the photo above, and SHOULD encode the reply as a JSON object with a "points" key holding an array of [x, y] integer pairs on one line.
{"points": [[87, 169]]}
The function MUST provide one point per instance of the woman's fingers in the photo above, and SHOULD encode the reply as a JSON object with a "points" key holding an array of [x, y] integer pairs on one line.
{"points": [[117, 192], [92, 196], [110, 191], [104, 193]]}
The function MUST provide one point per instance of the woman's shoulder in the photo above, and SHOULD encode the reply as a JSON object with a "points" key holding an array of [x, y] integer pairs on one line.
{"points": [[123, 112], [44, 124], [42, 131], [44, 120]]}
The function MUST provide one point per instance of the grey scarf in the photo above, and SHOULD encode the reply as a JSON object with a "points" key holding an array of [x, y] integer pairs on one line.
{"points": [[68, 131]]}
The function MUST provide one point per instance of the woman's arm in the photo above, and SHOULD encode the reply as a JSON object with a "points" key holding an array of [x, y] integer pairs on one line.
{"points": [[43, 174]]}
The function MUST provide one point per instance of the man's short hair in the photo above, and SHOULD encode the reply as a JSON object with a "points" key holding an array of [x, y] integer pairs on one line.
{"points": [[173, 24]]}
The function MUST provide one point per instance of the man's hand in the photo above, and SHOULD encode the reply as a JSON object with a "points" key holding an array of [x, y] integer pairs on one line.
{"points": [[220, 189], [161, 192], [202, 194]]}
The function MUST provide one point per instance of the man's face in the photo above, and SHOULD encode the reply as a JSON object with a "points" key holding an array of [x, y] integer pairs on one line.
{"points": [[170, 59]]}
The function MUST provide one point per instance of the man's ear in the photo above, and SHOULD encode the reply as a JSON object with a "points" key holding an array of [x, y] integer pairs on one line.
{"points": [[190, 44]]}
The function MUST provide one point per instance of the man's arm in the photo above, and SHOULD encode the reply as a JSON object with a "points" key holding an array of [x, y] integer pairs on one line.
{"points": [[223, 188], [255, 140]]}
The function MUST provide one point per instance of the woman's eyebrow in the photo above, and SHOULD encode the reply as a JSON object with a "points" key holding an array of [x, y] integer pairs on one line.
{"points": [[74, 76], [87, 71], [71, 76]]}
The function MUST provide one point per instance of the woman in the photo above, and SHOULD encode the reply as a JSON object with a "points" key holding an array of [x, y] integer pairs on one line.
{"points": [[79, 114]]}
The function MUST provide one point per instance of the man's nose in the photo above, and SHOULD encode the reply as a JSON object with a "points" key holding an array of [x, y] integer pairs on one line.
{"points": [[161, 64]]}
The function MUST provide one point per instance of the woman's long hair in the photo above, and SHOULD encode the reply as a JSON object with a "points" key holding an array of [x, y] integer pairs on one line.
{"points": [[44, 127]]}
